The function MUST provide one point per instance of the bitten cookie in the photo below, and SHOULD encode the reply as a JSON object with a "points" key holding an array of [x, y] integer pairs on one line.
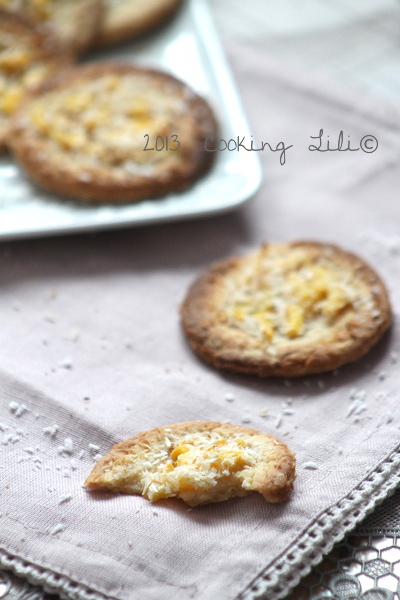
{"points": [[126, 19], [27, 57], [199, 462], [286, 310], [74, 22], [113, 133]]}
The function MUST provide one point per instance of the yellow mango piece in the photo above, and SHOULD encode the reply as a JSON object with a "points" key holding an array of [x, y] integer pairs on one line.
{"points": [[10, 100], [219, 444], [180, 449], [95, 118], [185, 486], [266, 326], [67, 140], [41, 9], [230, 459], [143, 123], [15, 61], [39, 120], [35, 76], [78, 101], [294, 321], [139, 109], [238, 314], [336, 302], [112, 82]]}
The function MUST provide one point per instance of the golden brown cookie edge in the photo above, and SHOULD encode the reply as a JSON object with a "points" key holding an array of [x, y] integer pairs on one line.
{"points": [[197, 315], [56, 52], [127, 29], [54, 177]]}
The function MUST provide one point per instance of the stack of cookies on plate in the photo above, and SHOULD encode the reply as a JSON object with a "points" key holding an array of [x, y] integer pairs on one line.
{"points": [[103, 132]]}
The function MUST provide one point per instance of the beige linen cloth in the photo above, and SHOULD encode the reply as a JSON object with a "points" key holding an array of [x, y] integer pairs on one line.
{"points": [[92, 353]]}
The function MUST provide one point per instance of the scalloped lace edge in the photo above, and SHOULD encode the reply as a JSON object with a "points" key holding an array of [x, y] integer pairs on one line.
{"points": [[50, 581], [281, 575], [327, 529]]}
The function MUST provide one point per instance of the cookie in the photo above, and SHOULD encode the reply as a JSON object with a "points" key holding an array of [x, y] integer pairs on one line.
{"points": [[27, 57], [199, 462], [113, 133], [127, 19], [75, 22], [286, 310]]}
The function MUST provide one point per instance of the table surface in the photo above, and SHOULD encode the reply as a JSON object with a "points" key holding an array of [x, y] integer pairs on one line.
{"points": [[354, 41]]}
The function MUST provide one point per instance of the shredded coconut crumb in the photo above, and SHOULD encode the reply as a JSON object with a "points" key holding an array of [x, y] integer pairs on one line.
{"points": [[288, 411], [97, 457], [57, 529], [229, 397], [17, 409], [356, 407], [94, 448], [10, 437], [310, 465], [64, 498], [68, 446], [388, 418], [66, 363], [51, 431], [74, 335]]}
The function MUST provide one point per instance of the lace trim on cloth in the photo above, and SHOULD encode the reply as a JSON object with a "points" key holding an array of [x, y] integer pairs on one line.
{"points": [[48, 580], [328, 528], [286, 571]]}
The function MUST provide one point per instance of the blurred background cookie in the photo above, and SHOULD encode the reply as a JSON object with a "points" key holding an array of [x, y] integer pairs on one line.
{"points": [[27, 57], [286, 310], [75, 22], [113, 133], [126, 19]]}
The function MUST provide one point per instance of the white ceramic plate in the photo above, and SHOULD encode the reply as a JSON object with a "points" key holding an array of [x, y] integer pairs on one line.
{"points": [[188, 48]]}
